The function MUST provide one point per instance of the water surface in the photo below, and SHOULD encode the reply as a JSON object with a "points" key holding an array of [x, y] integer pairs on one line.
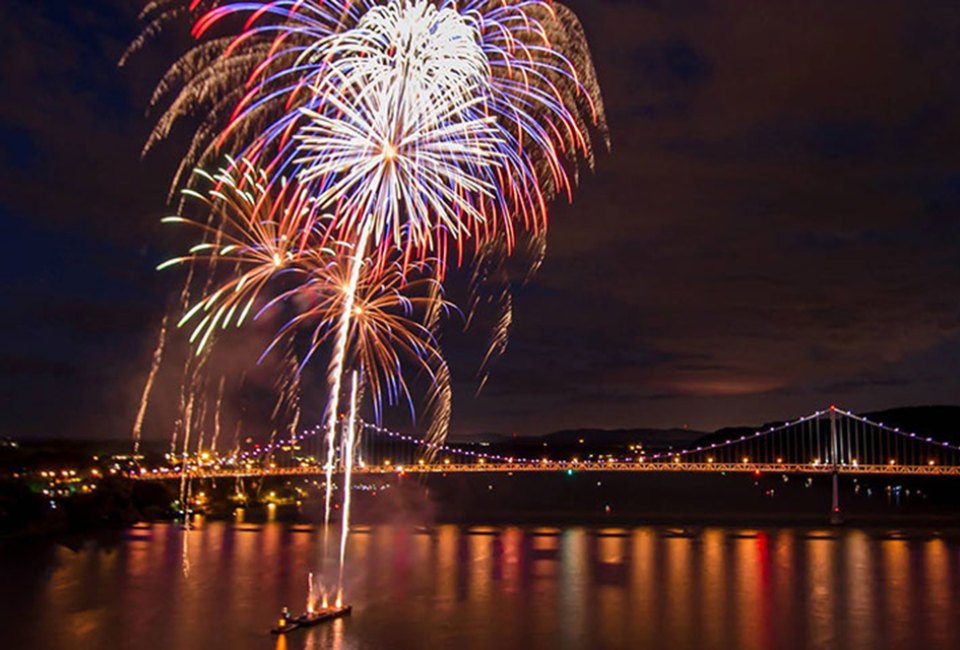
{"points": [[508, 588]]}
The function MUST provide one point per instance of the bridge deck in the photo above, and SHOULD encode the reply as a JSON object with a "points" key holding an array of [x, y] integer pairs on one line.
{"points": [[635, 467]]}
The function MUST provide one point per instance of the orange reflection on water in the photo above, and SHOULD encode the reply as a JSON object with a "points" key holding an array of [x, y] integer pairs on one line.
{"points": [[573, 584], [821, 594], [445, 566], [936, 606], [746, 577], [713, 602], [861, 605], [643, 598], [611, 570], [677, 592], [510, 559], [898, 596]]}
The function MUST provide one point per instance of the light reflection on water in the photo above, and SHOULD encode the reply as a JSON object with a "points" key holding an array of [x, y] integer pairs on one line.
{"points": [[491, 587]]}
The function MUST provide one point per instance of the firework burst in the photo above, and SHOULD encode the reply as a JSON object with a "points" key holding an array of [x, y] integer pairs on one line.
{"points": [[376, 143], [253, 232], [504, 89], [391, 335]]}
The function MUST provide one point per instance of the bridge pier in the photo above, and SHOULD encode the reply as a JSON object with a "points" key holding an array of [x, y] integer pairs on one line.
{"points": [[835, 517]]}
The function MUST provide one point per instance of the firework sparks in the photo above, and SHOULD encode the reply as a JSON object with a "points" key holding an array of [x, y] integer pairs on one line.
{"points": [[348, 446], [374, 315], [148, 386], [391, 324], [489, 98], [375, 140], [217, 414], [255, 230]]}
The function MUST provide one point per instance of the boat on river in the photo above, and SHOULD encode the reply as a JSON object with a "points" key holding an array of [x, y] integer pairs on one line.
{"points": [[288, 623]]}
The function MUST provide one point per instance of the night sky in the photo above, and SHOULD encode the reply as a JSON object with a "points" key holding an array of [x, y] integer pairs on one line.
{"points": [[777, 227]]}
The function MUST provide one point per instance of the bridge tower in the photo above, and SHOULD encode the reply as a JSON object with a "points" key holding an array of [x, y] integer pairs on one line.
{"points": [[835, 517]]}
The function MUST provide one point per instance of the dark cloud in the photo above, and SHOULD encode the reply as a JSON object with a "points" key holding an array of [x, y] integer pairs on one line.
{"points": [[776, 227]]}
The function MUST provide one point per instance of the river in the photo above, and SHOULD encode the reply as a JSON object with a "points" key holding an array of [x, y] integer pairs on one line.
{"points": [[501, 587]]}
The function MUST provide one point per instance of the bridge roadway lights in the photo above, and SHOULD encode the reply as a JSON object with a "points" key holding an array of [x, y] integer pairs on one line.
{"points": [[783, 468]]}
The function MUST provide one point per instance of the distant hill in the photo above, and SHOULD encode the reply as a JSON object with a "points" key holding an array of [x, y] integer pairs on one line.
{"points": [[940, 422], [574, 441], [644, 436]]}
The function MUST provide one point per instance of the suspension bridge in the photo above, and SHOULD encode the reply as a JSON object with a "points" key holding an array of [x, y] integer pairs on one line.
{"points": [[831, 441]]}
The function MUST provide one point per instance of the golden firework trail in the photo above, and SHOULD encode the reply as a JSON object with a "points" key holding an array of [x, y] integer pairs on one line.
{"points": [[148, 386]]}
